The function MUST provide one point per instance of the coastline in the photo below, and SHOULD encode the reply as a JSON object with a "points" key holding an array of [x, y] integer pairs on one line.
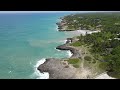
{"points": [[44, 75], [47, 74], [57, 67]]}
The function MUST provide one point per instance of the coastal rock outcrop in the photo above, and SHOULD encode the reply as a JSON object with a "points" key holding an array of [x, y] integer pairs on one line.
{"points": [[57, 69], [74, 51], [62, 26]]}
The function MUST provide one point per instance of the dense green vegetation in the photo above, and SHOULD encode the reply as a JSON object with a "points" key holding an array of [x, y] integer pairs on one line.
{"points": [[104, 44], [92, 21], [75, 62]]}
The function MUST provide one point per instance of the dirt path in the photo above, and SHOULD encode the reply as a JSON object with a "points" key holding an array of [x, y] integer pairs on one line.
{"points": [[82, 72]]}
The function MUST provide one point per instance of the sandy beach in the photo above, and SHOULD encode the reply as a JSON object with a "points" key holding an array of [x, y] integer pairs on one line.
{"points": [[78, 32]]}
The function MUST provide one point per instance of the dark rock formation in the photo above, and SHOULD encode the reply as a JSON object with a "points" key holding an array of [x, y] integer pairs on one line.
{"points": [[72, 49], [69, 40], [60, 26]]}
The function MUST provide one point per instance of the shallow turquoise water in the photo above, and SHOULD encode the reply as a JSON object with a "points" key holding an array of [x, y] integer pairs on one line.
{"points": [[26, 39]]}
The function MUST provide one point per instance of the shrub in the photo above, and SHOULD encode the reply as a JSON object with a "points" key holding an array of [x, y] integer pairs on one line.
{"points": [[103, 65], [94, 61], [88, 58], [76, 65]]}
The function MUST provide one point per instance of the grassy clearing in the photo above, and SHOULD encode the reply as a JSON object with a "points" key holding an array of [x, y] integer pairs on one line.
{"points": [[75, 62], [76, 44]]}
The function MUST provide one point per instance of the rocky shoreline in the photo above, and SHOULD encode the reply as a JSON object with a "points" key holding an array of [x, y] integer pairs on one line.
{"points": [[61, 69], [62, 26], [58, 68], [74, 52]]}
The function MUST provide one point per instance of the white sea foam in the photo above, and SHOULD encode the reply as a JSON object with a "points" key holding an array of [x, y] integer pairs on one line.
{"points": [[9, 71], [37, 73], [63, 41], [69, 53], [44, 75], [56, 28]]}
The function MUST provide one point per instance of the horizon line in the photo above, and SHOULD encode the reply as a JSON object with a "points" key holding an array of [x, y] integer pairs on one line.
{"points": [[50, 11]]}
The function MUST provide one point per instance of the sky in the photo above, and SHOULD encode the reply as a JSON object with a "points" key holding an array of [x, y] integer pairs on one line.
{"points": [[46, 11], [37, 11]]}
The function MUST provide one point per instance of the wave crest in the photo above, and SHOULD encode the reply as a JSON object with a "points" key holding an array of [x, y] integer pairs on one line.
{"points": [[69, 53], [37, 73]]}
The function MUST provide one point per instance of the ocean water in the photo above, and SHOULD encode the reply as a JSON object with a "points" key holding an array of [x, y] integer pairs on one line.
{"points": [[25, 40]]}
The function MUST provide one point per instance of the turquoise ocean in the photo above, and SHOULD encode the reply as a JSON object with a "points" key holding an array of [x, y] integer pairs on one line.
{"points": [[26, 39]]}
